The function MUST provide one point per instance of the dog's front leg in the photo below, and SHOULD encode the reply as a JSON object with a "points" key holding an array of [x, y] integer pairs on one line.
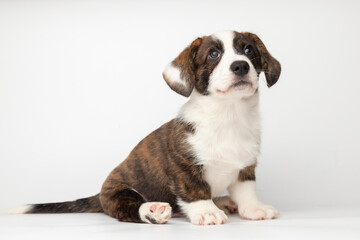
{"points": [[243, 193], [194, 199], [203, 212]]}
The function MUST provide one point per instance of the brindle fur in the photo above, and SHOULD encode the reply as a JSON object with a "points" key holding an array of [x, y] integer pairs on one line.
{"points": [[84, 205], [247, 174], [160, 168]]}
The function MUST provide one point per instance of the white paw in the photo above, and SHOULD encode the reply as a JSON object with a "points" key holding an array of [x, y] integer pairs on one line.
{"points": [[209, 218], [226, 204], [258, 212], [155, 212], [203, 212]]}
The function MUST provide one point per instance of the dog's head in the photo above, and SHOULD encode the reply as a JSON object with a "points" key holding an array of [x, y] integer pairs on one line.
{"points": [[225, 64]]}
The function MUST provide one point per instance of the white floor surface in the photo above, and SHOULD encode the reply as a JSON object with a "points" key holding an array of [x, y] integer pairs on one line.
{"points": [[306, 224]]}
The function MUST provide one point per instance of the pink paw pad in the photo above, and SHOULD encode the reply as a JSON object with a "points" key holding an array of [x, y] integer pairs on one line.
{"points": [[162, 209], [153, 208]]}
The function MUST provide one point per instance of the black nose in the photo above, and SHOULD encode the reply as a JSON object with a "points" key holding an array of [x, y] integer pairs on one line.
{"points": [[240, 68]]}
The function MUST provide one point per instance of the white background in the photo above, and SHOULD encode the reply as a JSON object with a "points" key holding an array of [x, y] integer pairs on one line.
{"points": [[81, 85]]}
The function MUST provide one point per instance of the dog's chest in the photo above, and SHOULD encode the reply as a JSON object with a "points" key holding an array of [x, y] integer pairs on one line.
{"points": [[226, 140], [233, 143], [224, 151], [228, 135]]}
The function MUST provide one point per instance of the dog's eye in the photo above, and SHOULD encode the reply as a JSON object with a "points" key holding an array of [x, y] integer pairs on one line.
{"points": [[248, 50], [214, 54]]}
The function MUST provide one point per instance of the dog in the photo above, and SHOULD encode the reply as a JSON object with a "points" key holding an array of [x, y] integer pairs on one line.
{"points": [[211, 147]]}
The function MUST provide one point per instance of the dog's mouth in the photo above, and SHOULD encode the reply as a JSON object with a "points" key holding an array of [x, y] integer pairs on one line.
{"points": [[241, 84]]}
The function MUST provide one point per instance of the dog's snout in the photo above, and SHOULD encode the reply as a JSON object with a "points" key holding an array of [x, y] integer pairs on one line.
{"points": [[240, 68]]}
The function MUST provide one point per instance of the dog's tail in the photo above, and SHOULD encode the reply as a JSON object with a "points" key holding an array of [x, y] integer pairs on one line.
{"points": [[83, 205]]}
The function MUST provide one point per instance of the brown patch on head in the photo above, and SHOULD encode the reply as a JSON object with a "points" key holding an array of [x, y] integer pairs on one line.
{"points": [[260, 57], [183, 82], [205, 64], [194, 65]]}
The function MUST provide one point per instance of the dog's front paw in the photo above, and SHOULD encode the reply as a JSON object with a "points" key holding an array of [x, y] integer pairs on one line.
{"points": [[258, 212], [209, 218], [203, 212]]}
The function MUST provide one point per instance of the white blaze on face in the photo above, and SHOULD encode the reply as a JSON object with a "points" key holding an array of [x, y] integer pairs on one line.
{"points": [[222, 78]]}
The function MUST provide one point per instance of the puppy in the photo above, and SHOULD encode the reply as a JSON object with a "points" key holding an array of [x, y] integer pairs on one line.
{"points": [[210, 147]]}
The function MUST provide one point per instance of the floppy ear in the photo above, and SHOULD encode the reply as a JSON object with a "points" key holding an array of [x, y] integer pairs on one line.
{"points": [[180, 73], [269, 65]]}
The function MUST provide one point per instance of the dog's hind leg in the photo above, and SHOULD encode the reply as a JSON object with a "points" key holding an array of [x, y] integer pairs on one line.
{"points": [[127, 205], [226, 204]]}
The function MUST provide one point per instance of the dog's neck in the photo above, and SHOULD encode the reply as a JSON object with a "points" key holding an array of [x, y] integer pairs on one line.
{"points": [[202, 108]]}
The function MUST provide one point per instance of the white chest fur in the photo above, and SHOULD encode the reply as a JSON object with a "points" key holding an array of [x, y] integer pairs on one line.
{"points": [[227, 136]]}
